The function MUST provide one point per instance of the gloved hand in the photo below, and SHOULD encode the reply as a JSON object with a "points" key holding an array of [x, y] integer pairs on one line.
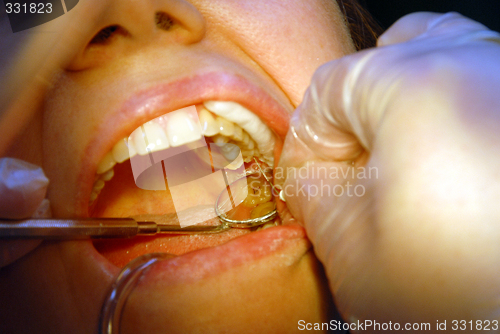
{"points": [[392, 164], [22, 194]]}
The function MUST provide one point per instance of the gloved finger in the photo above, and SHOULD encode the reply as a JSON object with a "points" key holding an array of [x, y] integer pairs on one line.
{"points": [[425, 24], [347, 98], [407, 27], [22, 194], [12, 250], [321, 192], [23, 187], [330, 124]]}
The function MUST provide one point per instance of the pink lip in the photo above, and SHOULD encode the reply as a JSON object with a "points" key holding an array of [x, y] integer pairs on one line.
{"points": [[153, 102], [196, 265]]}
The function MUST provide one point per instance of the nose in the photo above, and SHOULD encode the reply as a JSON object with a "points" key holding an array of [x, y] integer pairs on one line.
{"points": [[125, 25], [176, 20]]}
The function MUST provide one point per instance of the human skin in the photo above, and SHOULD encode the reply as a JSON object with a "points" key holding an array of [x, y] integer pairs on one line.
{"points": [[260, 54]]}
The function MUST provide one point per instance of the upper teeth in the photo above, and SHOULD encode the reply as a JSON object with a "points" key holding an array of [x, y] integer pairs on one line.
{"points": [[231, 123], [249, 122]]}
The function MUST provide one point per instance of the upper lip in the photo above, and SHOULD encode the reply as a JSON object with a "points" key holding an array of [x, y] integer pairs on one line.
{"points": [[166, 97]]}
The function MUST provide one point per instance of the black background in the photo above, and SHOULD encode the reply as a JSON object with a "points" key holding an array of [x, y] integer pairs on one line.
{"points": [[388, 11]]}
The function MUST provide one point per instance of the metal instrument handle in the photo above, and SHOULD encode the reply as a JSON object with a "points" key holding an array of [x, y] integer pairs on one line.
{"points": [[69, 228], [73, 229]]}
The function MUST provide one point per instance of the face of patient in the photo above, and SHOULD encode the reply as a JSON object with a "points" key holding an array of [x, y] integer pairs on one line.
{"points": [[141, 61]]}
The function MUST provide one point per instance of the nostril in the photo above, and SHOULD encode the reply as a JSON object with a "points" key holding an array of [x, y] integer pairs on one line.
{"points": [[163, 21], [105, 34]]}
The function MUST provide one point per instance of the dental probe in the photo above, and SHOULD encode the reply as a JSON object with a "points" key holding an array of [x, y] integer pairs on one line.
{"points": [[280, 192], [71, 229]]}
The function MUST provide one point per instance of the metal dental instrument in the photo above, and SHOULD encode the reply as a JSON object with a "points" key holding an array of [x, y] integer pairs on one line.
{"points": [[248, 223], [277, 191], [70, 229], [94, 228]]}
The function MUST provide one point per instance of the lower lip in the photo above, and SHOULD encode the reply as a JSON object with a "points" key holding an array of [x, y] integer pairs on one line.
{"points": [[288, 239], [122, 251]]}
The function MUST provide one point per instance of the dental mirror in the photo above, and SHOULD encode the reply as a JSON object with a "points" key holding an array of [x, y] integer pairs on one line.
{"points": [[256, 208]]}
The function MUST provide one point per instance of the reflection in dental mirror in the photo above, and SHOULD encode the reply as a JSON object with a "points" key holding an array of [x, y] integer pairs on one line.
{"points": [[252, 206]]}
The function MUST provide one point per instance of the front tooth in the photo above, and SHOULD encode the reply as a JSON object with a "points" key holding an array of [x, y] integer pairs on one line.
{"points": [[137, 140], [148, 138], [120, 151], [181, 129], [131, 148], [208, 124], [252, 124], [106, 163], [226, 128], [157, 139], [268, 225]]}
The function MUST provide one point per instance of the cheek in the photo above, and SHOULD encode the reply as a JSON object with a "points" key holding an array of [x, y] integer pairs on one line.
{"points": [[288, 40], [59, 133], [68, 123], [265, 299], [73, 112], [27, 145]]}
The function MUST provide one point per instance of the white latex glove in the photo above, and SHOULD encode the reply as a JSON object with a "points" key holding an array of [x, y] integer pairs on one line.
{"points": [[416, 238], [22, 194]]}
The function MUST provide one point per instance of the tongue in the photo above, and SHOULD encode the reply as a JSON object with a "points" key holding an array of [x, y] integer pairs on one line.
{"points": [[122, 198]]}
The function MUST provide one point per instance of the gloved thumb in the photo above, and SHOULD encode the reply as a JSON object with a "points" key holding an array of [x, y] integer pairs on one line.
{"points": [[424, 24], [22, 191], [348, 97]]}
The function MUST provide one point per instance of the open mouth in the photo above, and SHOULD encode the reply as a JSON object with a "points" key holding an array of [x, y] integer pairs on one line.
{"points": [[115, 193]]}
